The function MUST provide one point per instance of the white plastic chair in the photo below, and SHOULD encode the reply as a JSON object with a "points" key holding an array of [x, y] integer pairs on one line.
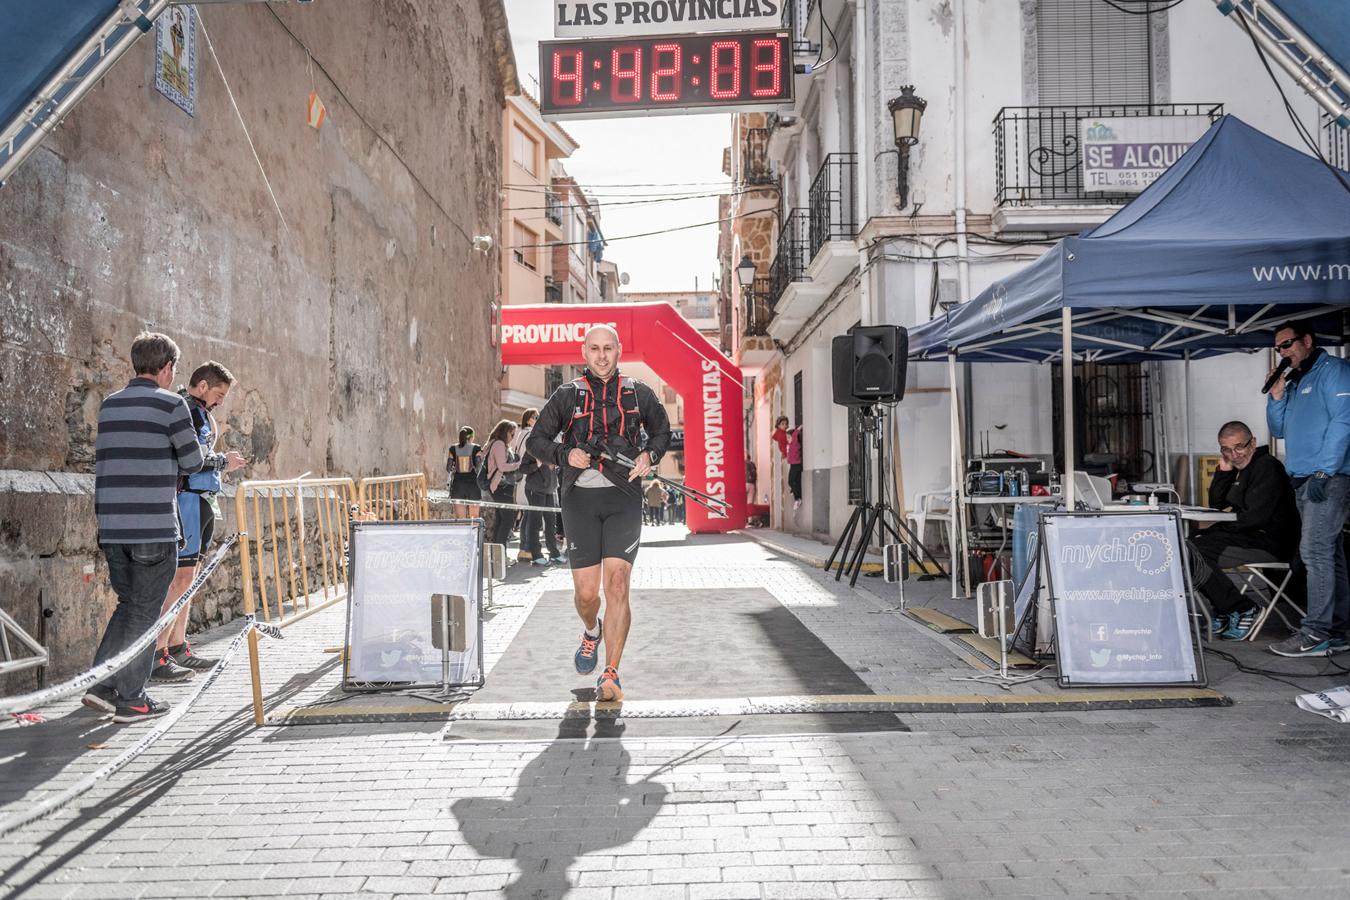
{"points": [[935, 506]]}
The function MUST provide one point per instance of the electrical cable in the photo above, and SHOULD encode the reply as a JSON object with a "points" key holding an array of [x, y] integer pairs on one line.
{"points": [[1277, 675], [624, 237], [1288, 107], [1148, 9], [824, 27], [564, 206], [373, 130]]}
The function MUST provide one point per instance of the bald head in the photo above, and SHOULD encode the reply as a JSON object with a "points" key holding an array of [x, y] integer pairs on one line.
{"points": [[601, 350]]}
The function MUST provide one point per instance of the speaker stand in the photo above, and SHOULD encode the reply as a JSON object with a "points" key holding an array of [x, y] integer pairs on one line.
{"points": [[877, 518]]}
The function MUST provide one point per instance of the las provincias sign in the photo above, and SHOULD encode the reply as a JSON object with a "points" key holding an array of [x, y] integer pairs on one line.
{"points": [[626, 18]]}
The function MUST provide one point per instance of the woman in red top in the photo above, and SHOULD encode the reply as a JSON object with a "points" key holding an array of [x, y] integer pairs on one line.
{"points": [[780, 434]]}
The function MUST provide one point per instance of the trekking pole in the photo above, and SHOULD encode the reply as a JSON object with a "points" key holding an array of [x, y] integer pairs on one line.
{"points": [[706, 500]]}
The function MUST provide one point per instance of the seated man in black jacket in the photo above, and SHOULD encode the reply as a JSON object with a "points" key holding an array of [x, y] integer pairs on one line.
{"points": [[1254, 485]]}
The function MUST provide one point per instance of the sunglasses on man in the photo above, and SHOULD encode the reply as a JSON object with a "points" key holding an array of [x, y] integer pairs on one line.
{"points": [[1285, 345]]}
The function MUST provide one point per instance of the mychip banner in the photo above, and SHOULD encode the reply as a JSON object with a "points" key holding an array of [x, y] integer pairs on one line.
{"points": [[1118, 583], [405, 578]]}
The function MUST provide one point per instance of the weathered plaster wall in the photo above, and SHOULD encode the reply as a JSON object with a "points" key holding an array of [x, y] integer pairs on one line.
{"points": [[356, 315]]}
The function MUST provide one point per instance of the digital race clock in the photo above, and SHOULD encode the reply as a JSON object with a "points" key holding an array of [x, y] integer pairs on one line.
{"points": [[592, 78]]}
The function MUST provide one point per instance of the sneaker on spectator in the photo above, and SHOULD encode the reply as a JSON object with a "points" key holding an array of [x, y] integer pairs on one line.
{"points": [[183, 655], [1222, 622], [1338, 645], [137, 710], [168, 671], [101, 698], [1239, 626], [539, 561], [1301, 644]]}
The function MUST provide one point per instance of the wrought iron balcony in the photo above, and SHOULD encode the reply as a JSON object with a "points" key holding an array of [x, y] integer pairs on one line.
{"points": [[756, 167], [833, 201], [1037, 158], [756, 310], [792, 255], [553, 208], [552, 292]]}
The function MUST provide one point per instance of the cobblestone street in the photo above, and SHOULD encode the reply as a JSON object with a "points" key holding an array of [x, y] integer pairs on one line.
{"points": [[1246, 800]]}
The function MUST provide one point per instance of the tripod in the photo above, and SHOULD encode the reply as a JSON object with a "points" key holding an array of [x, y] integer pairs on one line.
{"points": [[879, 518]]}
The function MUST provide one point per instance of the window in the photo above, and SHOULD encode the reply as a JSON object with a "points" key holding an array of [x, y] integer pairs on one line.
{"points": [[1089, 53], [667, 393], [797, 400], [524, 151], [525, 243]]}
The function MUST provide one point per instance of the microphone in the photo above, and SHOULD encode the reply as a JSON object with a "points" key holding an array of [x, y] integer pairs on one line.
{"points": [[1275, 376]]}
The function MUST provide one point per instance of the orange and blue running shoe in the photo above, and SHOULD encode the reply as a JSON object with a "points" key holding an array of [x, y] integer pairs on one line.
{"points": [[607, 687], [585, 656]]}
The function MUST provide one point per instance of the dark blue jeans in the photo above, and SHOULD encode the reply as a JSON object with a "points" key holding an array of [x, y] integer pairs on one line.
{"points": [[1323, 554], [140, 575]]}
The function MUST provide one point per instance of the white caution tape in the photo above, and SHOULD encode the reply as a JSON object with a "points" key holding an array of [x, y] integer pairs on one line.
{"points": [[81, 787], [488, 503], [108, 668]]}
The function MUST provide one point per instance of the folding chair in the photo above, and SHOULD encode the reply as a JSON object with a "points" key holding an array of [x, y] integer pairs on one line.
{"points": [[935, 506], [1254, 578]]}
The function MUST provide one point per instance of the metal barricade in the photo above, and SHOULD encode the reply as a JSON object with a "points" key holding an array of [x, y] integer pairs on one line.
{"points": [[395, 498], [305, 522]]}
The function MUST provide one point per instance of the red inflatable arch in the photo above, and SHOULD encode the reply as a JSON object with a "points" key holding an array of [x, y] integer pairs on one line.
{"points": [[655, 334]]}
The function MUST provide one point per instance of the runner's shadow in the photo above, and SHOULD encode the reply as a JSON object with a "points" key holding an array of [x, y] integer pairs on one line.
{"points": [[574, 798]]}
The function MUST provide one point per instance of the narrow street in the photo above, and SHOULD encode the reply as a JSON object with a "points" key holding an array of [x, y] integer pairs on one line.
{"points": [[1239, 801]]}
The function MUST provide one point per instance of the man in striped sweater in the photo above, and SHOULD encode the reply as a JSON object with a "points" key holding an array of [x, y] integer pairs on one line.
{"points": [[145, 442]]}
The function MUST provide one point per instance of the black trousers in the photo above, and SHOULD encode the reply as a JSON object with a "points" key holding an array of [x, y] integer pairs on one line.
{"points": [[1212, 551], [535, 522], [501, 527], [795, 480]]}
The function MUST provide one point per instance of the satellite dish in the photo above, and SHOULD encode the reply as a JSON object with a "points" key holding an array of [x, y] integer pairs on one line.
{"points": [[623, 278]]}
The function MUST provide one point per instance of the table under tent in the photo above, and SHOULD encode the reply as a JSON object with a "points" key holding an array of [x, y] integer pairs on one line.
{"points": [[1241, 234]]}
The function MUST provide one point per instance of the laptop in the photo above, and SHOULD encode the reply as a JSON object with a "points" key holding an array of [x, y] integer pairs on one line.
{"points": [[1094, 491]]}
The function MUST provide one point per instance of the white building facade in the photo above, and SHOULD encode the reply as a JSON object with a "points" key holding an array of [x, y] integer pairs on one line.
{"points": [[994, 179]]}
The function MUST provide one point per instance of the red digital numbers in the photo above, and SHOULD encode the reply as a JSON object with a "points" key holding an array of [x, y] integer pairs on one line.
{"points": [[766, 71], [625, 82], [567, 87], [724, 82], [666, 68]]}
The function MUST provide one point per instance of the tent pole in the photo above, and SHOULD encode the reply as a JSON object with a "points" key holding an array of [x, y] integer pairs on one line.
{"points": [[1186, 434], [1066, 320], [958, 485]]}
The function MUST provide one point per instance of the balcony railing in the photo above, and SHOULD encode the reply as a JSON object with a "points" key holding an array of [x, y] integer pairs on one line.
{"points": [[1037, 160], [833, 215], [552, 292], [756, 311], [793, 253], [553, 208], [756, 167]]}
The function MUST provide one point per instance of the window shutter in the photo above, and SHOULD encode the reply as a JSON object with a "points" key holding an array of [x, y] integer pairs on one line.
{"points": [[1091, 53]]}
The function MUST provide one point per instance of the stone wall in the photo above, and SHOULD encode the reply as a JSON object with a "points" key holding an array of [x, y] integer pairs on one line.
{"points": [[352, 308]]}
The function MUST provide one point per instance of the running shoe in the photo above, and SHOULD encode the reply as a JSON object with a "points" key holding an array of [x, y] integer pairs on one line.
{"points": [[137, 710], [184, 656], [168, 671], [1301, 644], [607, 686], [1221, 623], [585, 655], [1239, 626], [101, 698]]}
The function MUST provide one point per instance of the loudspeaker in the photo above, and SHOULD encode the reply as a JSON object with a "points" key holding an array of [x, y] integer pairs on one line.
{"points": [[868, 365]]}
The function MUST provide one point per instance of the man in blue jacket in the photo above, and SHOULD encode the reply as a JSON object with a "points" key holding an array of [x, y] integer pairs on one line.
{"points": [[1309, 406]]}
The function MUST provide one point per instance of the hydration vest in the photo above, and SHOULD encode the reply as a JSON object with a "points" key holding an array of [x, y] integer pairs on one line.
{"points": [[604, 420], [208, 480]]}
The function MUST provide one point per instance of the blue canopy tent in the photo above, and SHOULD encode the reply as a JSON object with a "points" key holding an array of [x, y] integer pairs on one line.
{"points": [[51, 55], [1242, 233]]}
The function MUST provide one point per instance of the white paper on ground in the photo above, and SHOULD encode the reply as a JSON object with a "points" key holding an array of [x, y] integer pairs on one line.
{"points": [[1334, 704]]}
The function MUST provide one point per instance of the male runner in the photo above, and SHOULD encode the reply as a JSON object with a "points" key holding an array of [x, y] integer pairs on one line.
{"points": [[601, 500]]}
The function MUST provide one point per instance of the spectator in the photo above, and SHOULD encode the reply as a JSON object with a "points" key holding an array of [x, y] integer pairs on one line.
{"points": [[751, 479], [145, 442], [541, 489], [198, 511], [1309, 406], [1255, 486], [794, 458], [656, 503], [527, 465], [501, 467], [462, 464], [780, 435]]}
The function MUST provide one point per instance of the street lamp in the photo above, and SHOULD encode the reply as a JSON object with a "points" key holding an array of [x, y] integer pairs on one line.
{"points": [[906, 116], [745, 272]]}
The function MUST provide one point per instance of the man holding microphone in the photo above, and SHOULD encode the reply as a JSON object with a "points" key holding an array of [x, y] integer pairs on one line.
{"points": [[1309, 407]]}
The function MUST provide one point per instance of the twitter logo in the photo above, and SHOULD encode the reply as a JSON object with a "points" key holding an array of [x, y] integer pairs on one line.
{"points": [[1100, 658]]}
